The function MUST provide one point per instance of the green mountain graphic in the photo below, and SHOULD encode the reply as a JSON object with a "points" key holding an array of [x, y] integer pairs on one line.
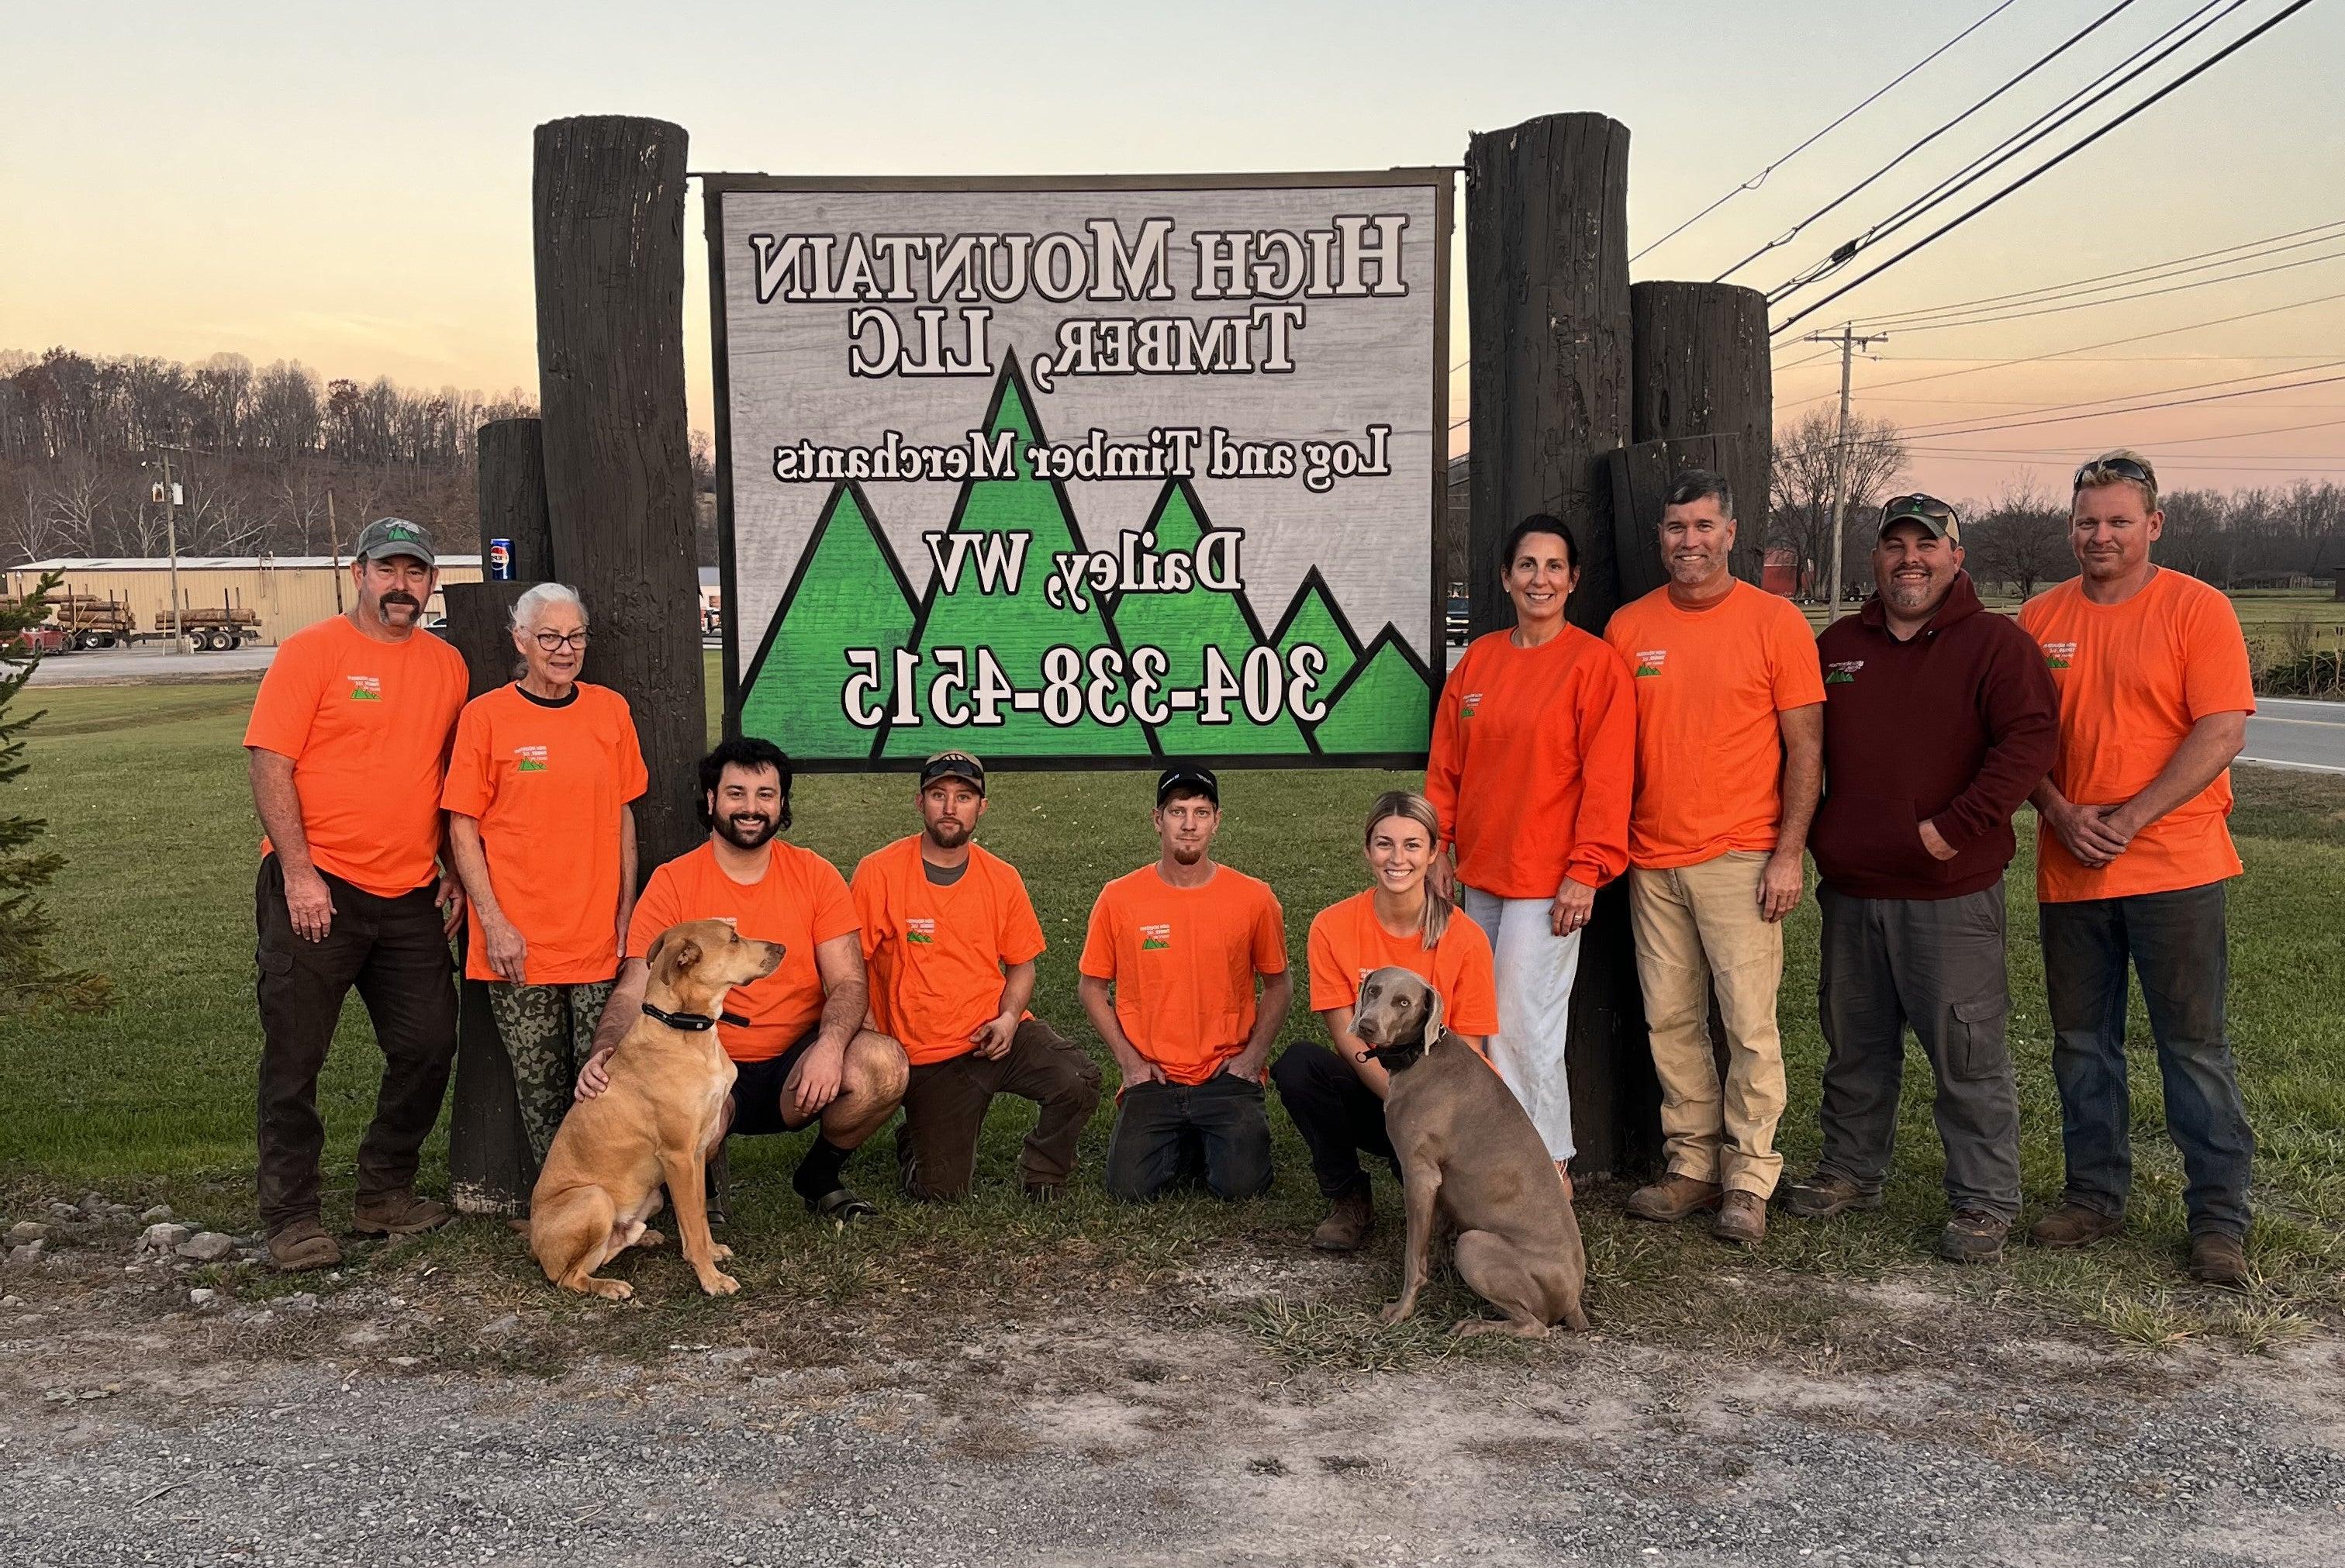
{"points": [[1312, 617], [1185, 625], [1384, 707], [847, 592]]}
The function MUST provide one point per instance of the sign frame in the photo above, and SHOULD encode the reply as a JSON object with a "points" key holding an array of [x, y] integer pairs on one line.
{"points": [[1440, 178]]}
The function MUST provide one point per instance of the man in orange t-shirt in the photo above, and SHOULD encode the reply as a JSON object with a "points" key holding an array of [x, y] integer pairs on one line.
{"points": [[541, 828], [949, 940], [2133, 853], [1730, 762], [1170, 967], [800, 1051], [346, 746]]}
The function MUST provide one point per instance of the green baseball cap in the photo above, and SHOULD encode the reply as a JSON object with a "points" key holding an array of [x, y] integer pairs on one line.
{"points": [[394, 536]]}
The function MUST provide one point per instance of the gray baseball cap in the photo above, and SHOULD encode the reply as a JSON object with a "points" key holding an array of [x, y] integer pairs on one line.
{"points": [[394, 536]]}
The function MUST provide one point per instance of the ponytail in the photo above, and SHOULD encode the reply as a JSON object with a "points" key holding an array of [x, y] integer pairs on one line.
{"points": [[1418, 809]]}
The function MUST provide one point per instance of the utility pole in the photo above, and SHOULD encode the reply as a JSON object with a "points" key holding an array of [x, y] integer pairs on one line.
{"points": [[1849, 341], [171, 535], [334, 543]]}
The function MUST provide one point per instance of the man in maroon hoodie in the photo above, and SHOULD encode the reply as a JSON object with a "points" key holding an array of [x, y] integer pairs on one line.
{"points": [[1939, 718]]}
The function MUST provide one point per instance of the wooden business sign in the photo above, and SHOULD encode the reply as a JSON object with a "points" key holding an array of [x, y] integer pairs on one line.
{"points": [[1082, 472]]}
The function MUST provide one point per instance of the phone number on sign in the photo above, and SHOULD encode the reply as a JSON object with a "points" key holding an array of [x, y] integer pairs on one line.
{"points": [[968, 688]]}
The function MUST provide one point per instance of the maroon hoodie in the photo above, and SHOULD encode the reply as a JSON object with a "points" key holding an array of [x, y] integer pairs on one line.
{"points": [[1955, 726]]}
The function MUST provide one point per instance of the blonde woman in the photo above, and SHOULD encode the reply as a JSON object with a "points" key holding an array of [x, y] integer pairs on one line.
{"points": [[1335, 1097]]}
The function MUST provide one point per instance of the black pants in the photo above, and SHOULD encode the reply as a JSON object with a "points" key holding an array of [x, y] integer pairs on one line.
{"points": [[1169, 1134], [945, 1104], [1934, 965], [1340, 1117], [396, 953]]}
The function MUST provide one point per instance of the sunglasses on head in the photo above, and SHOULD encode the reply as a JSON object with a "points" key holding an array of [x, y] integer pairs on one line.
{"points": [[2125, 467], [1928, 506]]}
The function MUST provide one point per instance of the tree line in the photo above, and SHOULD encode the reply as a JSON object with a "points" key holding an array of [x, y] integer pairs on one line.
{"points": [[2258, 536]]}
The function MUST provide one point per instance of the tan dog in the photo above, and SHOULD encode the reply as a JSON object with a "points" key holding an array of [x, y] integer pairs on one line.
{"points": [[659, 1121], [1465, 1145]]}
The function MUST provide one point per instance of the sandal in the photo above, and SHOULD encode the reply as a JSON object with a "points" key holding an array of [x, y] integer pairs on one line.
{"points": [[302, 1246], [841, 1206]]}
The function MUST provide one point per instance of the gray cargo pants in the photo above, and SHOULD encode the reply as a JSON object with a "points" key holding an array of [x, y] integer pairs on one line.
{"points": [[1937, 966]]}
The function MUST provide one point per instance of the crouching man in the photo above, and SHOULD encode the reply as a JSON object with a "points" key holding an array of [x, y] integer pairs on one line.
{"points": [[950, 940], [795, 1036], [1182, 945]]}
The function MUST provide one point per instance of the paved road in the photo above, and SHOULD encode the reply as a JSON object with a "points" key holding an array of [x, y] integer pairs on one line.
{"points": [[140, 665], [2287, 732]]}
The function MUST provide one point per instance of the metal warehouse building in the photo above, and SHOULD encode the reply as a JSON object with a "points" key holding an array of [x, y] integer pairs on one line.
{"points": [[287, 592]]}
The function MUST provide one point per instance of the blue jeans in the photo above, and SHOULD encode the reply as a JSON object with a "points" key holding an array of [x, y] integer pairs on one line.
{"points": [[1172, 1134], [2175, 942]]}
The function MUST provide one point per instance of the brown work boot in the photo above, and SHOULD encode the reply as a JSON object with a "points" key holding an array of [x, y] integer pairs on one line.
{"points": [[1672, 1198], [1973, 1236], [1742, 1219], [1827, 1194], [303, 1244], [398, 1213], [1348, 1225], [2218, 1260], [2074, 1224]]}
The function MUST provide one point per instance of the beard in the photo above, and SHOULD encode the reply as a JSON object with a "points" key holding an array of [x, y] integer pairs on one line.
{"points": [[745, 831], [948, 834], [1186, 854], [1909, 593]]}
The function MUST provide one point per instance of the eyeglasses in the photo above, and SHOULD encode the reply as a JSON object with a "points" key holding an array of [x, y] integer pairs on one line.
{"points": [[1928, 506], [2124, 467], [554, 642]]}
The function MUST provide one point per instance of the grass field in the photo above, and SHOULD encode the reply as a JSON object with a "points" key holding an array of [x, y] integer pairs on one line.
{"points": [[145, 792]]}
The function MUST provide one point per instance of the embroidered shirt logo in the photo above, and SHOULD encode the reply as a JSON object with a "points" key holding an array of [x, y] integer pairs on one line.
{"points": [[1844, 672], [1473, 700], [531, 758], [921, 931], [365, 687], [1155, 937], [2059, 656], [1649, 662]]}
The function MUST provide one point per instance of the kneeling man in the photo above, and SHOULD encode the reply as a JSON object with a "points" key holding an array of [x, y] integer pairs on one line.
{"points": [[950, 940], [1183, 944], [796, 1035]]}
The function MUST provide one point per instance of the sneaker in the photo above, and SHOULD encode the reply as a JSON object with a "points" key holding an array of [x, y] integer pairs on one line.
{"points": [[400, 1213], [1973, 1236], [1673, 1198], [1348, 1225], [1826, 1195], [1742, 1219], [2218, 1260], [2074, 1224], [303, 1244]]}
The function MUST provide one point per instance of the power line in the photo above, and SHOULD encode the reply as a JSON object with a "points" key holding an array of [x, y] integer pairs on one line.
{"points": [[1755, 181], [1927, 325], [1948, 427], [2109, 83], [1793, 233], [2139, 408], [2057, 159]]}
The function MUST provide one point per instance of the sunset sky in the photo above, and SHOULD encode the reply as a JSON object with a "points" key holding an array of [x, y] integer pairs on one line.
{"points": [[350, 186]]}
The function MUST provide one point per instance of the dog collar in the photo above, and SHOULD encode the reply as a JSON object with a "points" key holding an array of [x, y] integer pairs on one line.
{"points": [[693, 1021]]}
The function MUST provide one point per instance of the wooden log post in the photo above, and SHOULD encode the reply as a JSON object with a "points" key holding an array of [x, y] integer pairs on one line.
{"points": [[609, 198], [1702, 368], [1546, 264], [1642, 474], [511, 474], [490, 1171]]}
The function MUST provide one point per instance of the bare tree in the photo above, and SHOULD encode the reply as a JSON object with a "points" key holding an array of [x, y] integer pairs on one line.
{"points": [[1800, 488], [2020, 540]]}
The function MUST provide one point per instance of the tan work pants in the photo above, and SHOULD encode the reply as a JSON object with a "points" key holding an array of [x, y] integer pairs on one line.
{"points": [[1697, 924]]}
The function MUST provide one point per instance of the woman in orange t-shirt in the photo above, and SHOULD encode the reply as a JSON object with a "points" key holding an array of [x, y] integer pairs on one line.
{"points": [[1336, 1097], [1531, 768]]}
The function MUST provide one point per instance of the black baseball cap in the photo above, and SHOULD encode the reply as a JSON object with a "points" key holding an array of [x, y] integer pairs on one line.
{"points": [[953, 765], [1934, 516], [394, 536], [1188, 780]]}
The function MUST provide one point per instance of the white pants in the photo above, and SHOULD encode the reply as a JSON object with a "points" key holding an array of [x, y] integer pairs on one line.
{"points": [[1536, 969]]}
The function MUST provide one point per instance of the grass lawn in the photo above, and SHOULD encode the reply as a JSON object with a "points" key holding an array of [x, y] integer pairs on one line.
{"points": [[145, 792]]}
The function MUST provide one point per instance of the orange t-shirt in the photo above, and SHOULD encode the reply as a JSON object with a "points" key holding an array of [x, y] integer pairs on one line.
{"points": [[1184, 962], [2133, 678], [547, 783], [1348, 943], [367, 725], [936, 953], [1710, 749], [801, 903], [1533, 753]]}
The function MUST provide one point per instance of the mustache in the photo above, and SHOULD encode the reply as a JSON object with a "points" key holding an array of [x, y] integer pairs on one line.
{"points": [[400, 596]]}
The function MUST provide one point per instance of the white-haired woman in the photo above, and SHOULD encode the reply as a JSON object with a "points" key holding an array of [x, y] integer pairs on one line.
{"points": [[539, 784]]}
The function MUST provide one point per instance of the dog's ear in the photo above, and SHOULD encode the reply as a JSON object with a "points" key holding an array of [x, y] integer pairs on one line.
{"points": [[1433, 1030], [682, 956]]}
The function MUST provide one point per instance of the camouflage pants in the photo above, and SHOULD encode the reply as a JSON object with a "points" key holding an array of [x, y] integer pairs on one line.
{"points": [[549, 1032]]}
